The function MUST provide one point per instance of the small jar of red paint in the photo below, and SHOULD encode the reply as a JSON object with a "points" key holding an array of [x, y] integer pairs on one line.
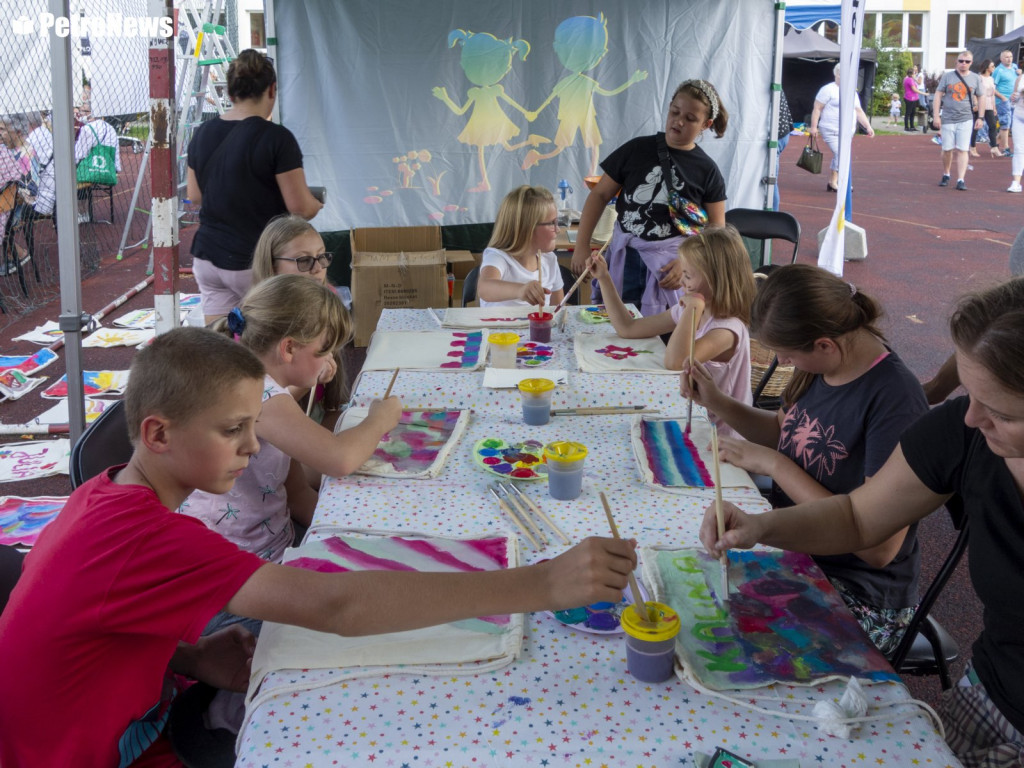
{"points": [[540, 326]]}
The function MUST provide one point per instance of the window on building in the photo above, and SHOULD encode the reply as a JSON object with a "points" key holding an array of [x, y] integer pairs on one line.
{"points": [[257, 30], [915, 31], [961, 27], [998, 25], [869, 26], [902, 30]]}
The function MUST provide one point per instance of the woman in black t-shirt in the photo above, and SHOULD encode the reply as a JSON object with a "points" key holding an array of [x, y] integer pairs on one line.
{"points": [[243, 170]]}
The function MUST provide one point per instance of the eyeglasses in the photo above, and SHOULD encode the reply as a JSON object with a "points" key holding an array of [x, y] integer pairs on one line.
{"points": [[964, 61], [552, 223], [305, 263]]}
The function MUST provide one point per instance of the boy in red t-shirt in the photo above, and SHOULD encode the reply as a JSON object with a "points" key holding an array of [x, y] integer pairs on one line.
{"points": [[116, 592]]}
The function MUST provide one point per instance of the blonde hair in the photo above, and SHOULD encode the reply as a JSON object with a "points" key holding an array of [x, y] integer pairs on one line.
{"points": [[721, 258], [288, 306], [518, 215], [280, 231]]}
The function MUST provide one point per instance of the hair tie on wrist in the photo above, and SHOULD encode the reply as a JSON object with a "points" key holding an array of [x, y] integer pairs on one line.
{"points": [[236, 323]]}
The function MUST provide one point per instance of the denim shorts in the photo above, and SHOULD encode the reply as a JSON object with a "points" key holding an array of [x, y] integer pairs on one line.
{"points": [[1003, 110]]}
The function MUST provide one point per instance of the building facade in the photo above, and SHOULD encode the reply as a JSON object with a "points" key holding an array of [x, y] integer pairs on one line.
{"points": [[933, 31]]}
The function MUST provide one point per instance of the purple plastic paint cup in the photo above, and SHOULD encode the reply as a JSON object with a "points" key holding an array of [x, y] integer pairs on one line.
{"points": [[540, 326], [565, 469], [650, 646]]}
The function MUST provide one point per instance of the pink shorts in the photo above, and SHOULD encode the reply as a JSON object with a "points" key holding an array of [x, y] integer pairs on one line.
{"points": [[221, 289]]}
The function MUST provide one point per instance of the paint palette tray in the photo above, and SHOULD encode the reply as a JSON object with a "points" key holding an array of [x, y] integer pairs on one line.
{"points": [[598, 313], [599, 618], [530, 354], [522, 460]]}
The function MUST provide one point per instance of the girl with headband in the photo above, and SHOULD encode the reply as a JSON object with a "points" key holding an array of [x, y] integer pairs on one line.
{"points": [[667, 188]]}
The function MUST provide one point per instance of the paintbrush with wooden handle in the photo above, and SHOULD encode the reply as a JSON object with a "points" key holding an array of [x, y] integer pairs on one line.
{"points": [[719, 514], [639, 605]]}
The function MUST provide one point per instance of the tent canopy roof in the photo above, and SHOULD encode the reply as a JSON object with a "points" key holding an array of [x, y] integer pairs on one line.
{"points": [[1013, 36], [803, 16], [808, 44], [990, 48]]}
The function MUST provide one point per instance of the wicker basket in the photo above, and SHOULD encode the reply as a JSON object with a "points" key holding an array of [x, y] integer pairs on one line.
{"points": [[760, 360]]}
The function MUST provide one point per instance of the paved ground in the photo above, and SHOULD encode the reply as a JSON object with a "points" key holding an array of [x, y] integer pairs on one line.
{"points": [[926, 245]]}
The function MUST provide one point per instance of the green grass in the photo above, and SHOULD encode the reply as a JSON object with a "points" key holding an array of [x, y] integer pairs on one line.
{"points": [[138, 131]]}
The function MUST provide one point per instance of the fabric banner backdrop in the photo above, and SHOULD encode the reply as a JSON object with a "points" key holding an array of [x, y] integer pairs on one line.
{"points": [[415, 113], [833, 246]]}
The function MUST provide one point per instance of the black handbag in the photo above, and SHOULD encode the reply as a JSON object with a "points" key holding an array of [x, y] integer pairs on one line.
{"points": [[810, 158]]}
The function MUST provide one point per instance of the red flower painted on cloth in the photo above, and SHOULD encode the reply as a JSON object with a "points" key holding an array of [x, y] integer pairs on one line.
{"points": [[814, 445], [621, 353]]}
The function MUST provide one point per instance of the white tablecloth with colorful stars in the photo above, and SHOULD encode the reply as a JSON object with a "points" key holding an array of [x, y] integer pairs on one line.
{"points": [[568, 701]]}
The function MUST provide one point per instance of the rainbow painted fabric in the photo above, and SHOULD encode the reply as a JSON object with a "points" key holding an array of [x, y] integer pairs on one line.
{"points": [[783, 621]]}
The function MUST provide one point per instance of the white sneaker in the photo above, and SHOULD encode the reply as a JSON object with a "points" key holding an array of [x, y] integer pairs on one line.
{"points": [[1015, 187], [83, 218]]}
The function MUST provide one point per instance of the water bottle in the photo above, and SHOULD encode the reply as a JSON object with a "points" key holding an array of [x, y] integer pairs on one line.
{"points": [[564, 204]]}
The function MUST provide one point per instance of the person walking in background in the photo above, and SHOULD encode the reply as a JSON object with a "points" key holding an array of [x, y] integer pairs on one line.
{"points": [[911, 99], [956, 95], [987, 106], [825, 119], [1004, 76], [1017, 126], [924, 103]]}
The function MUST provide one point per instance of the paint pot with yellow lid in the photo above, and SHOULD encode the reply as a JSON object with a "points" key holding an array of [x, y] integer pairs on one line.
{"points": [[650, 645], [536, 396], [565, 469], [503, 349]]}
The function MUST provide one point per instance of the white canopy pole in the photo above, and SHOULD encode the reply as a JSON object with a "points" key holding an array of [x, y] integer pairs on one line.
{"points": [[66, 220]]}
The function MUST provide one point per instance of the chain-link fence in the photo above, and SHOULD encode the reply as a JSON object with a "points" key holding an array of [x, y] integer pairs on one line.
{"points": [[110, 87]]}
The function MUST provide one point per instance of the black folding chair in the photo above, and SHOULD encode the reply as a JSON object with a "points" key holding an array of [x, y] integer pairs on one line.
{"points": [[10, 571], [469, 286], [927, 648], [762, 226], [104, 444]]}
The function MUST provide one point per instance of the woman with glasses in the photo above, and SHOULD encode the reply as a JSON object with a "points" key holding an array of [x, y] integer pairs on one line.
{"points": [[243, 170], [519, 266]]}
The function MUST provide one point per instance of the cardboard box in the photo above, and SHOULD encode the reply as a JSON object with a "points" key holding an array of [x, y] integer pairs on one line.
{"points": [[397, 267]]}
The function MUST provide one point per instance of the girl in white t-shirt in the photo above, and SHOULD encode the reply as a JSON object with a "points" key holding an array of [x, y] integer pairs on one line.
{"points": [[522, 243], [719, 289]]}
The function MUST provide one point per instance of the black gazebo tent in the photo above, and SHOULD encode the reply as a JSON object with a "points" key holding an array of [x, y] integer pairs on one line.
{"points": [[807, 62], [990, 48]]}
